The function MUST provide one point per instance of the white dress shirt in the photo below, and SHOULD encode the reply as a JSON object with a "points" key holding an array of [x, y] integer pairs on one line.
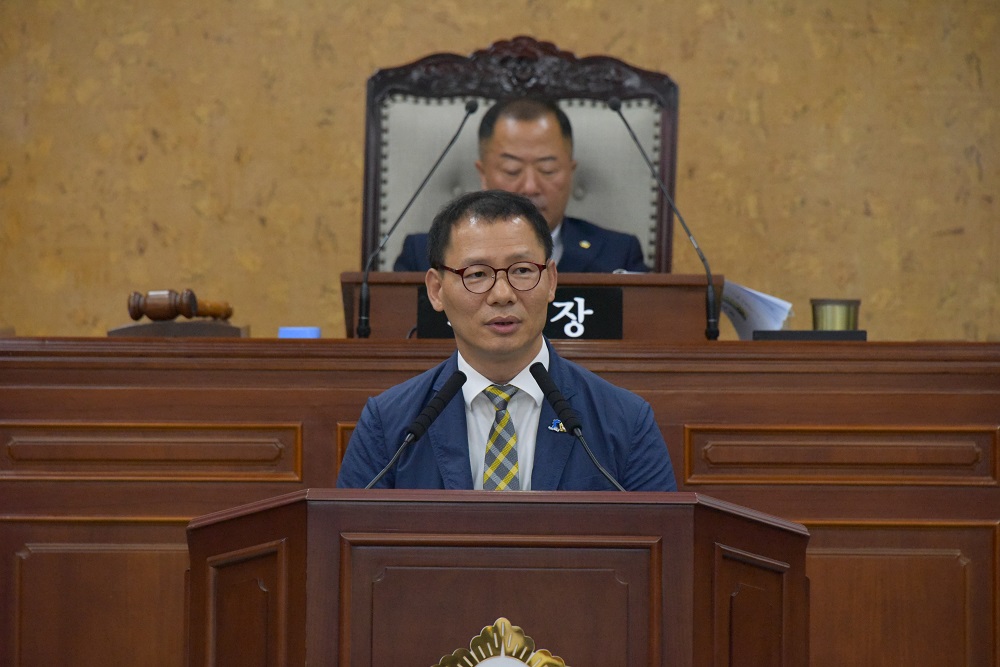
{"points": [[525, 408], [557, 252]]}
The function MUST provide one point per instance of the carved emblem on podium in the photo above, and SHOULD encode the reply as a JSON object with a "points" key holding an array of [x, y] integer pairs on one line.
{"points": [[501, 645]]}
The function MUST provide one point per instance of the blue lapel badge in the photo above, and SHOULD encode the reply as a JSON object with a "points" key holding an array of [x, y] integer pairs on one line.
{"points": [[557, 426]]}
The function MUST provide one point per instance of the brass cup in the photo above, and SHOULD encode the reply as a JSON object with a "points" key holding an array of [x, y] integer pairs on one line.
{"points": [[835, 314]]}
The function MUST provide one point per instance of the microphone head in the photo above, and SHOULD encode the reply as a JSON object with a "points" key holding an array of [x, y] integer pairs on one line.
{"points": [[615, 104], [541, 375], [569, 418], [471, 106], [436, 405]]}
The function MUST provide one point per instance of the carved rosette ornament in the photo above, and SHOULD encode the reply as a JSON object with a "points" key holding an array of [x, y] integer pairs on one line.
{"points": [[501, 645], [524, 66]]}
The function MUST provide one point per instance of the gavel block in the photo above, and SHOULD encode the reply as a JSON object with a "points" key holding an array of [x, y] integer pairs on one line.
{"points": [[161, 305]]}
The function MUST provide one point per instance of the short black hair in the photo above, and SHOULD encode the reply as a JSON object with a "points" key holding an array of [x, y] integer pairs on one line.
{"points": [[526, 109], [487, 205]]}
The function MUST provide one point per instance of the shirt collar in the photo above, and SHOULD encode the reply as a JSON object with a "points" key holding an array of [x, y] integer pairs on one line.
{"points": [[475, 382], [557, 244]]}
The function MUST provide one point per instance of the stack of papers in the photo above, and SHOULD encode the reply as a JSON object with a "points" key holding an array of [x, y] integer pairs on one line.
{"points": [[750, 310]]}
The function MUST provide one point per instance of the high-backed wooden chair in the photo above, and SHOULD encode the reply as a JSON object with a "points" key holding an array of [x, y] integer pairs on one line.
{"points": [[413, 110]]}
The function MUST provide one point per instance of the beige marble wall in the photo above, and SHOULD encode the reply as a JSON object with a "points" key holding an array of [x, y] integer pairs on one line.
{"points": [[827, 148]]}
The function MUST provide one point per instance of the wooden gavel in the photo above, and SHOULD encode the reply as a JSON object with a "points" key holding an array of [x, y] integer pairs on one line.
{"points": [[168, 304]]}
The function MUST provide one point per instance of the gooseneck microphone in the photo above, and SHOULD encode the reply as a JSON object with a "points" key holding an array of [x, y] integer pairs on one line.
{"points": [[566, 414], [424, 419], [364, 329], [712, 319]]}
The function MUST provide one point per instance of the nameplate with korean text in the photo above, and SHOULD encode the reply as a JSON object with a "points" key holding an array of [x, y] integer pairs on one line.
{"points": [[576, 313]]}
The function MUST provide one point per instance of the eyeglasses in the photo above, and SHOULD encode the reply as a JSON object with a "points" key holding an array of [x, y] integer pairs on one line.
{"points": [[480, 278]]}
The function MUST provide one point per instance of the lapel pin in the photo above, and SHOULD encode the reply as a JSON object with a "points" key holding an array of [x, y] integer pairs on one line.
{"points": [[585, 245], [557, 426]]}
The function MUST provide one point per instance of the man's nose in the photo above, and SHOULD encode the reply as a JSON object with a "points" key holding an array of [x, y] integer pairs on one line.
{"points": [[501, 292], [529, 185]]}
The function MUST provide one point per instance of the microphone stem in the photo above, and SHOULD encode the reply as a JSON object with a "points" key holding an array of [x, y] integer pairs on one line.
{"points": [[364, 308], [712, 328], [364, 302], [578, 432], [395, 457], [420, 189]]}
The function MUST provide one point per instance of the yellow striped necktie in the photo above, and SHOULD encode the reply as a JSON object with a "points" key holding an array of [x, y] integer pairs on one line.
{"points": [[500, 473]]}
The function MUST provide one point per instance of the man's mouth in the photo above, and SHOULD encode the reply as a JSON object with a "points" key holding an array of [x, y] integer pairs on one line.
{"points": [[503, 325]]}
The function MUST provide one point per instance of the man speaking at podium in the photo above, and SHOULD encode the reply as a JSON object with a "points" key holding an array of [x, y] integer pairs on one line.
{"points": [[526, 147], [493, 276]]}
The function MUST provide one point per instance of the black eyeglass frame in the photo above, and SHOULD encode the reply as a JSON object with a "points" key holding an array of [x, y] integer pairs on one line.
{"points": [[461, 274]]}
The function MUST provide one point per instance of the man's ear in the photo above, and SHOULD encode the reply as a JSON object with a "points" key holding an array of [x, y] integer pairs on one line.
{"points": [[432, 280], [482, 174]]}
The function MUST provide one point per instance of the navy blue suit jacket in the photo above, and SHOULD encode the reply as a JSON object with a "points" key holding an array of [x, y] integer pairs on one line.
{"points": [[618, 425], [587, 248]]}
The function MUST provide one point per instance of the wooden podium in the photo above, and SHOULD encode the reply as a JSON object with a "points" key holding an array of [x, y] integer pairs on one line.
{"points": [[660, 307], [376, 578]]}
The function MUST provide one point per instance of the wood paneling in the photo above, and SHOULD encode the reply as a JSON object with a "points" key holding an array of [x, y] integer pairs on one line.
{"points": [[812, 454], [887, 452], [249, 588], [916, 593], [92, 592], [156, 452]]}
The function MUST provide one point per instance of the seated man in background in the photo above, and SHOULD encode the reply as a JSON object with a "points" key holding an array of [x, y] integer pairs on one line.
{"points": [[526, 147], [500, 433]]}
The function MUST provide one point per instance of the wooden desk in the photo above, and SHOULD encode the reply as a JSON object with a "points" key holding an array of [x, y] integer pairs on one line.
{"points": [[331, 577], [657, 307], [886, 452]]}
